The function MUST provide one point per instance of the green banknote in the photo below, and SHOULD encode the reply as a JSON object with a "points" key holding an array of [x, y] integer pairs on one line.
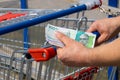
{"points": [[87, 39]]}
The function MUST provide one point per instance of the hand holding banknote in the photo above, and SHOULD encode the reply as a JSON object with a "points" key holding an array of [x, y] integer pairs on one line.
{"points": [[70, 42]]}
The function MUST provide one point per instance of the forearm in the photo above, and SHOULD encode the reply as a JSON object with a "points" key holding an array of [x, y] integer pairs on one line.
{"points": [[108, 54]]}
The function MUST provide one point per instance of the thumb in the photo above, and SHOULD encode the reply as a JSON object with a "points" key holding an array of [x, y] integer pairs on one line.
{"points": [[62, 37]]}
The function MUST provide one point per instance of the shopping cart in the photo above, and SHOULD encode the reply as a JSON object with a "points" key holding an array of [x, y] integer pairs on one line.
{"points": [[16, 62]]}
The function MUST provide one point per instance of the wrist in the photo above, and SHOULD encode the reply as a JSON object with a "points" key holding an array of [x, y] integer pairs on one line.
{"points": [[94, 56], [116, 21], [91, 56]]}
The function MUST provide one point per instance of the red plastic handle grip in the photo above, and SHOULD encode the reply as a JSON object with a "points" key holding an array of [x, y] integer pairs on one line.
{"points": [[42, 54]]}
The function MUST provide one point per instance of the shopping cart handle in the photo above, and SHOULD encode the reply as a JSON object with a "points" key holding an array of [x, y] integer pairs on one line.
{"points": [[42, 54], [97, 34], [43, 18]]}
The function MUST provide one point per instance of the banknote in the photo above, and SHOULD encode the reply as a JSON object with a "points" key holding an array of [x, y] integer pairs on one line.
{"points": [[87, 39]]}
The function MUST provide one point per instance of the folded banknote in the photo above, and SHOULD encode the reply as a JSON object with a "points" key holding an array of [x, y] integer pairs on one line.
{"points": [[87, 39]]}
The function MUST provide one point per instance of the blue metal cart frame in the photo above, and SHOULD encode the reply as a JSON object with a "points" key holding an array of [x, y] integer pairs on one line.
{"points": [[24, 5]]}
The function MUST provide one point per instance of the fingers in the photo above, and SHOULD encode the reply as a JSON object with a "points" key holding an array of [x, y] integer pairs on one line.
{"points": [[63, 38], [102, 38]]}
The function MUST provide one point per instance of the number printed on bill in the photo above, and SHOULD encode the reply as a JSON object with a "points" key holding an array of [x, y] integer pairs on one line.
{"points": [[87, 39]]}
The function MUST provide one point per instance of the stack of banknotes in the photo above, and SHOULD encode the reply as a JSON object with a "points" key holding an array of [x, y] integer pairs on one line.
{"points": [[87, 39]]}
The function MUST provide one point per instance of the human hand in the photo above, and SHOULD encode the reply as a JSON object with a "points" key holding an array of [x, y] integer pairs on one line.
{"points": [[73, 53], [107, 28]]}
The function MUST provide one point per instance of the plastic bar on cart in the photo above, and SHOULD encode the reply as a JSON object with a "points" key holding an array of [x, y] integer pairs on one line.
{"points": [[44, 18], [42, 54], [84, 74]]}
